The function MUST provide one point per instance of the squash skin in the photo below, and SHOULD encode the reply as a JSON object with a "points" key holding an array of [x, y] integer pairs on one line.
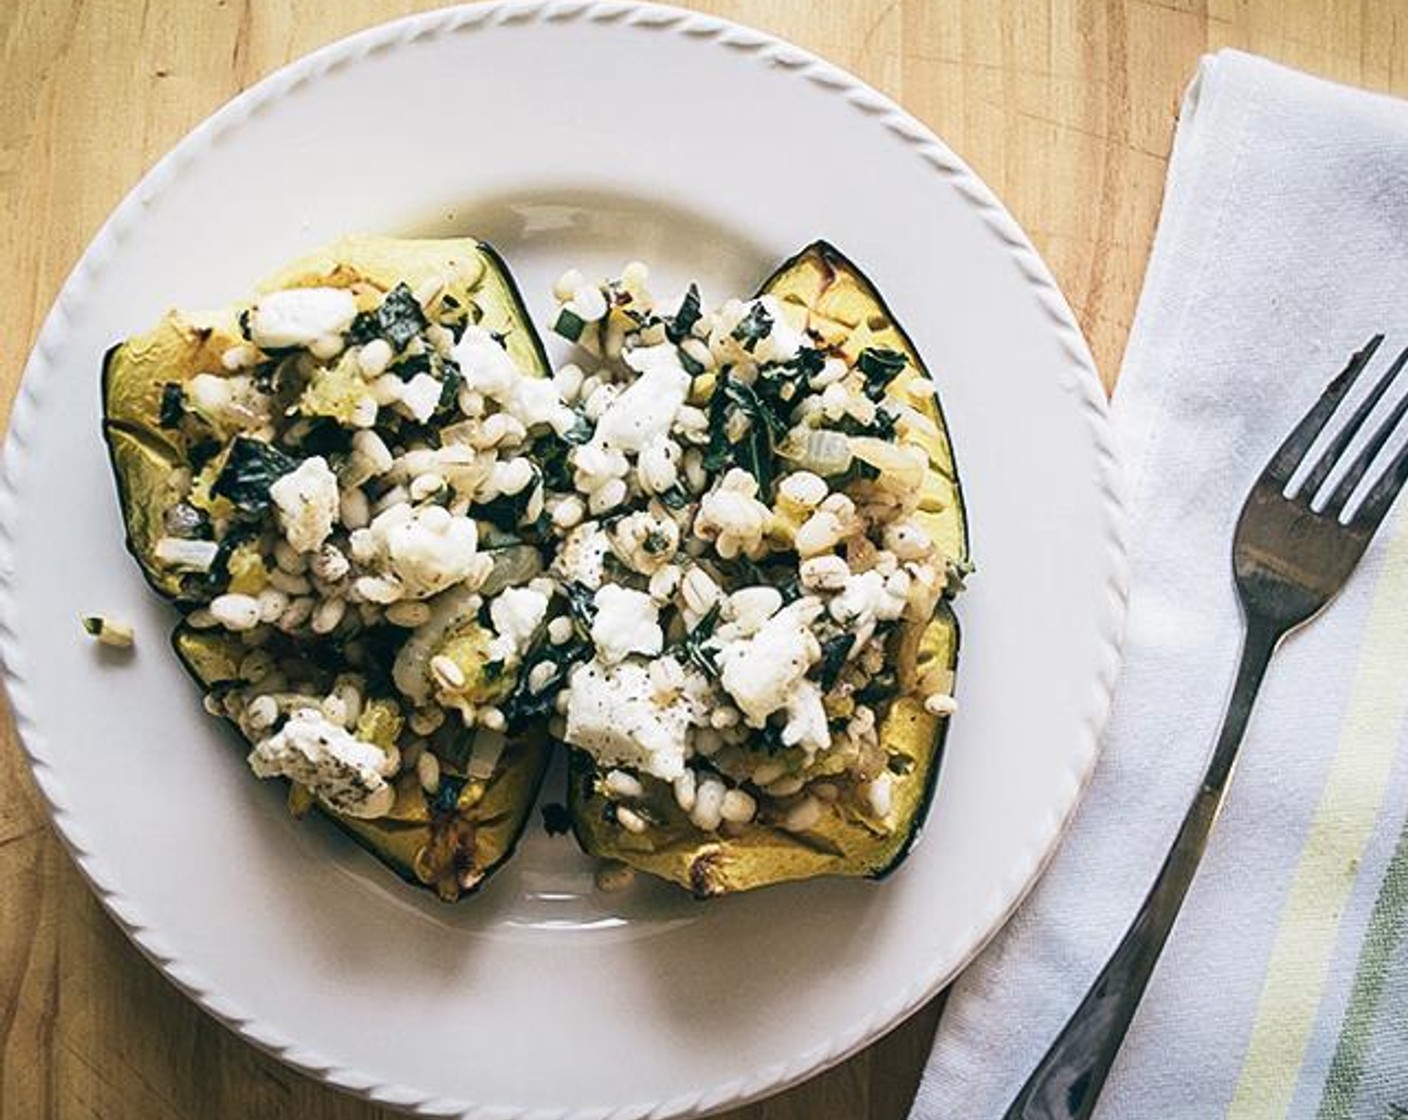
{"points": [[821, 288], [146, 460]]}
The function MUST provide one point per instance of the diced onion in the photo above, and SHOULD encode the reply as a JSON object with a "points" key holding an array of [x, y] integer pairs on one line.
{"points": [[817, 450], [901, 468], [186, 555], [484, 754]]}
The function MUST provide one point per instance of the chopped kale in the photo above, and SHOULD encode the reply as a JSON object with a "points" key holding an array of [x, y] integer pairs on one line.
{"points": [[320, 435], [454, 316], [879, 367], [809, 361], [266, 375], [756, 406], [507, 511], [882, 427], [446, 799], [525, 705], [754, 453], [251, 467], [557, 821], [674, 497], [679, 326], [551, 453], [770, 738], [791, 590], [753, 327], [834, 652], [243, 320], [879, 688], [582, 603], [900, 764], [718, 451], [400, 316], [452, 379], [581, 430], [202, 451], [398, 320], [695, 644], [413, 364], [363, 329], [218, 576], [173, 406], [858, 471], [569, 325], [776, 388], [493, 670]]}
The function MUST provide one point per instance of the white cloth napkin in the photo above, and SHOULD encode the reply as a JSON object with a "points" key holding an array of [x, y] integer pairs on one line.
{"points": [[1282, 247]]}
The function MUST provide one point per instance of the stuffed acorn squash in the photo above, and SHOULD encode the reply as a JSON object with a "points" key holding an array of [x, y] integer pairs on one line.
{"points": [[308, 479], [832, 497]]}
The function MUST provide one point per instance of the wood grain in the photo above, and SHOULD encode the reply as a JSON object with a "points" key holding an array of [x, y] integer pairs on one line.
{"points": [[1067, 109]]}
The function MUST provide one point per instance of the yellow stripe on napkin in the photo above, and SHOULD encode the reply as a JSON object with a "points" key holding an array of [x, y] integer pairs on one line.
{"points": [[1349, 806]]}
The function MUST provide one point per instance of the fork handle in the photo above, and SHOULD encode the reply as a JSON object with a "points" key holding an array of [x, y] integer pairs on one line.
{"points": [[1066, 1083]]}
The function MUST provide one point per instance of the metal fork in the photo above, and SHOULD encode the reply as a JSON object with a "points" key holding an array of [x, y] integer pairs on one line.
{"points": [[1289, 560]]}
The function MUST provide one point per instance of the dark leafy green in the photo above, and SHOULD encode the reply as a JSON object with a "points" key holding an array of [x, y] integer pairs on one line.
{"points": [[398, 319], [834, 652], [879, 367], [674, 497], [582, 605], [879, 688], [569, 325], [754, 452], [173, 405], [753, 327], [251, 467], [695, 648], [809, 361], [525, 705], [882, 427], [679, 326], [447, 797], [507, 511], [581, 430], [718, 451], [692, 366], [218, 576]]}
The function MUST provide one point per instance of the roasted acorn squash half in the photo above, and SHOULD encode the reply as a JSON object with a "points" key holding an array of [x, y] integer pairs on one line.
{"points": [[452, 840], [823, 292]]}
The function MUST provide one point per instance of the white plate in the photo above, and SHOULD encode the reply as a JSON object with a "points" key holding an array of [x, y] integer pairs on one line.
{"points": [[586, 133]]}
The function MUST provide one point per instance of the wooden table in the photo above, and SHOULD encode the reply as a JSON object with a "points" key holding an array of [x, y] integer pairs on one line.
{"points": [[1067, 109]]}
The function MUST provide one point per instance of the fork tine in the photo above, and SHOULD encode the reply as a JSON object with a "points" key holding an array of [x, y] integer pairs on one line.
{"points": [[1326, 463], [1376, 503], [1346, 486], [1292, 451]]}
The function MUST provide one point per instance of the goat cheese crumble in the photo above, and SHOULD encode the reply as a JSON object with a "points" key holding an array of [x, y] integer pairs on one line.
{"points": [[307, 500], [342, 771], [300, 317], [612, 714]]}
